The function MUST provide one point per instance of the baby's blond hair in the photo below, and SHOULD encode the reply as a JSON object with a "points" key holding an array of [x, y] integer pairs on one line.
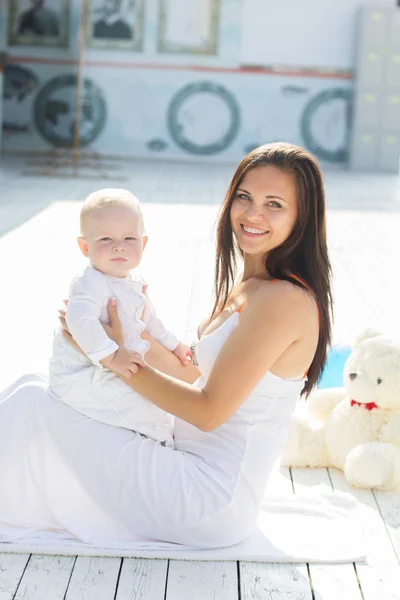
{"points": [[107, 198]]}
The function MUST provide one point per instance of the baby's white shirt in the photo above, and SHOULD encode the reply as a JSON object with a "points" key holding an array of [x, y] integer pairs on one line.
{"points": [[89, 295]]}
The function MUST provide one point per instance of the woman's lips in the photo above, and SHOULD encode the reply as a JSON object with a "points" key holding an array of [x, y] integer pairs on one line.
{"points": [[252, 235]]}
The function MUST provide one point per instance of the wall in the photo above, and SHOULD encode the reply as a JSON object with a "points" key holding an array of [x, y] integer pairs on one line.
{"points": [[310, 33], [141, 104], [3, 23]]}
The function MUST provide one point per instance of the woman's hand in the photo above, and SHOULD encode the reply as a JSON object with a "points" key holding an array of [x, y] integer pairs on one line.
{"points": [[113, 329]]}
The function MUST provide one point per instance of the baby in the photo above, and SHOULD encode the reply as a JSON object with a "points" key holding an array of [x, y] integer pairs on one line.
{"points": [[113, 238]]}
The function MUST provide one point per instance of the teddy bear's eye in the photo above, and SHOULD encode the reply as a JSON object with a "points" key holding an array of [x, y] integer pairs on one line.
{"points": [[379, 381]]}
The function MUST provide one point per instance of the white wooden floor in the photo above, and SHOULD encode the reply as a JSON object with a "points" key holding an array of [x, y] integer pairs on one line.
{"points": [[38, 225]]}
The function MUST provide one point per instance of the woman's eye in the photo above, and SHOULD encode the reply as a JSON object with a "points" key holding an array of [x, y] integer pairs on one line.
{"points": [[243, 196], [274, 204]]}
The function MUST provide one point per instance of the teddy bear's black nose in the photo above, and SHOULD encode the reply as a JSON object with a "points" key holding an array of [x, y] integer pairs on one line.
{"points": [[353, 376]]}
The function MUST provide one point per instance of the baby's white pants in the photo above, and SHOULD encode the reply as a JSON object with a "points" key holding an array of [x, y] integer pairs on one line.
{"points": [[103, 396]]}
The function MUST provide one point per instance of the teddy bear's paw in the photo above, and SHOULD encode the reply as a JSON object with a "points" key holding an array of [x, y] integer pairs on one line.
{"points": [[321, 403], [305, 446], [373, 465]]}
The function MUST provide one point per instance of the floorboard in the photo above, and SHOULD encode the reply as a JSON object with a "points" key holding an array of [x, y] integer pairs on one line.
{"points": [[12, 568], [202, 580], [45, 578], [142, 579]]}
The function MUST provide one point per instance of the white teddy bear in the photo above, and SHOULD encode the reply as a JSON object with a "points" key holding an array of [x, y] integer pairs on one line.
{"points": [[356, 428]]}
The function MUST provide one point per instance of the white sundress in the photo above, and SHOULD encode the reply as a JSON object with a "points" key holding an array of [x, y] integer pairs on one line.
{"points": [[65, 475]]}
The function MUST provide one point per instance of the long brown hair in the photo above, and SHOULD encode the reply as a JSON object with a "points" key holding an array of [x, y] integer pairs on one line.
{"points": [[302, 255]]}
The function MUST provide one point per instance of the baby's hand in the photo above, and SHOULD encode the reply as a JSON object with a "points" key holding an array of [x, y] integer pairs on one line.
{"points": [[183, 353], [124, 362]]}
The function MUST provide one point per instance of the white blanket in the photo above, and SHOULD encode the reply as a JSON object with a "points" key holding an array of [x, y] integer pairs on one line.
{"points": [[323, 528]]}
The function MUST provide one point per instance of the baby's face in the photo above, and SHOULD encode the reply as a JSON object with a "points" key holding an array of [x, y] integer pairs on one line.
{"points": [[113, 239]]}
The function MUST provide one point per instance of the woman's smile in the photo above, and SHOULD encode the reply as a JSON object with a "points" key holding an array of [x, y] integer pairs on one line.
{"points": [[252, 232]]}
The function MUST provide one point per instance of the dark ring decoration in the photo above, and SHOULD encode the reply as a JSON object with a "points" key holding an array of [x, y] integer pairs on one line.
{"points": [[41, 117], [335, 156], [176, 129]]}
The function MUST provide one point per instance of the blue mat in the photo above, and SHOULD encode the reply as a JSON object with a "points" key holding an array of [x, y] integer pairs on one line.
{"points": [[332, 375]]}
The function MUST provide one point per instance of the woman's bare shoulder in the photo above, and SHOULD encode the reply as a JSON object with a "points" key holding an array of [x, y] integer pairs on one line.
{"points": [[284, 294]]}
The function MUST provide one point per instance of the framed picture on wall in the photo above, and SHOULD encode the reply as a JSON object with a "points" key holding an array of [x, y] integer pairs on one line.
{"points": [[38, 22], [189, 26], [115, 24]]}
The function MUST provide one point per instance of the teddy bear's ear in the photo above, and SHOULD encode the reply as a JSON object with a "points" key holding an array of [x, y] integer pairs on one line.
{"points": [[365, 335]]}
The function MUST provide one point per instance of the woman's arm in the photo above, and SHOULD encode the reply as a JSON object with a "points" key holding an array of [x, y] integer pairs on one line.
{"points": [[162, 359], [274, 319], [157, 356]]}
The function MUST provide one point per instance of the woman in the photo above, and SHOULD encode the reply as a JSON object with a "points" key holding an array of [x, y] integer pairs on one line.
{"points": [[65, 473]]}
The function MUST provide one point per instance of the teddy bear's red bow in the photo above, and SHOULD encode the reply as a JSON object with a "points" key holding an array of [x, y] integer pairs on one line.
{"points": [[368, 405]]}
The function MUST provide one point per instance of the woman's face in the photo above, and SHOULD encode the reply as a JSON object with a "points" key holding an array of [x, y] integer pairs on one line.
{"points": [[264, 209]]}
